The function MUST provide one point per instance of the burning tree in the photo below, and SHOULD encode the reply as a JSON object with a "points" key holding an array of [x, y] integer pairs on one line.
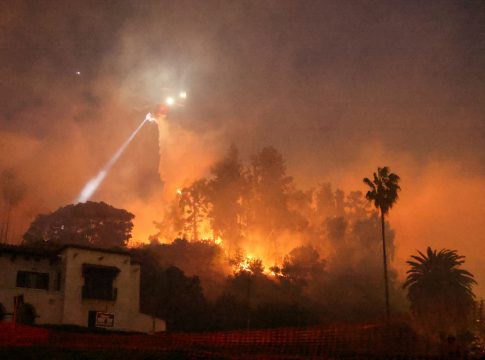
{"points": [[227, 191], [172, 225], [193, 201], [268, 209]]}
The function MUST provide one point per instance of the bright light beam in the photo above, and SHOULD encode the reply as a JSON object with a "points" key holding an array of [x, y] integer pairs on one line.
{"points": [[93, 184]]}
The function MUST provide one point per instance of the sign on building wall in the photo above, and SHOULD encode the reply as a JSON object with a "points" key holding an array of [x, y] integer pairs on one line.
{"points": [[105, 319]]}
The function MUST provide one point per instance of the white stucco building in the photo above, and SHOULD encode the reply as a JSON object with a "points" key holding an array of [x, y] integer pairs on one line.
{"points": [[75, 285]]}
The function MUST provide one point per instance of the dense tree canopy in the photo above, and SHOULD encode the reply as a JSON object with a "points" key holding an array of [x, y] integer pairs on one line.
{"points": [[166, 292], [90, 223], [318, 246]]}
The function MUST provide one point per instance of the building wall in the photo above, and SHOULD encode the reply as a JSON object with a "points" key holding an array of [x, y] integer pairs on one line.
{"points": [[66, 305], [47, 303], [76, 309]]}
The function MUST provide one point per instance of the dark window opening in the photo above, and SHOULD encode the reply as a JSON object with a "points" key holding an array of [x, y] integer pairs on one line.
{"points": [[92, 319], [98, 282], [26, 314], [58, 281], [32, 280]]}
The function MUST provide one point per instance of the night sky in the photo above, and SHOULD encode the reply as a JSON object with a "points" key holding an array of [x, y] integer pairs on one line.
{"points": [[339, 87]]}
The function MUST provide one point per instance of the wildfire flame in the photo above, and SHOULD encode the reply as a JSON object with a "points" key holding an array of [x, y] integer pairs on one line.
{"points": [[245, 264]]}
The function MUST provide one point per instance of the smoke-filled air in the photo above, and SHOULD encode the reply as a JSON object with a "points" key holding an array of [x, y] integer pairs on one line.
{"points": [[238, 134]]}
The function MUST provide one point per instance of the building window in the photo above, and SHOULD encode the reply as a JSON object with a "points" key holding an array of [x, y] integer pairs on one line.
{"points": [[32, 280], [98, 282]]}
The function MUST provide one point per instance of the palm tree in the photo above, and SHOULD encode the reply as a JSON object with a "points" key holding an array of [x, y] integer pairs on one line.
{"points": [[383, 193], [440, 293]]}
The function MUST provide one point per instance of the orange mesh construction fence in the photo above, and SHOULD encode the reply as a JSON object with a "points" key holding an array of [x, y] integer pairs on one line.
{"points": [[336, 341]]}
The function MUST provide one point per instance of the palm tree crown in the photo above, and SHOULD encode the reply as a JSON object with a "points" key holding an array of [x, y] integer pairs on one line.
{"points": [[383, 189], [440, 292], [436, 275]]}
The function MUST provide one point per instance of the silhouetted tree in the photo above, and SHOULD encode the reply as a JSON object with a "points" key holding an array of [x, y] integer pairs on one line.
{"points": [[183, 304], [302, 265], [194, 204], [226, 191], [282, 314], [171, 295], [90, 223], [440, 291], [13, 191], [172, 224], [270, 187], [383, 193], [356, 205], [229, 312], [329, 216], [202, 258], [302, 211], [339, 202], [336, 229], [250, 286], [325, 200]]}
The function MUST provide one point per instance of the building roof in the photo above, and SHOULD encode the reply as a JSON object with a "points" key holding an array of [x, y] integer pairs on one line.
{"points": [[26, 250], [92, 248], [54, 251]]}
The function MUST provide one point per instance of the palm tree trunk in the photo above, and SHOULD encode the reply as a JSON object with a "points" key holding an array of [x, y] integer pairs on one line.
{"points": [[384, 253]]}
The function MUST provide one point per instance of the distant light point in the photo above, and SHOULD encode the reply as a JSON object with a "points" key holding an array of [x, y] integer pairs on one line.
{"points": [[169, 101]]}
